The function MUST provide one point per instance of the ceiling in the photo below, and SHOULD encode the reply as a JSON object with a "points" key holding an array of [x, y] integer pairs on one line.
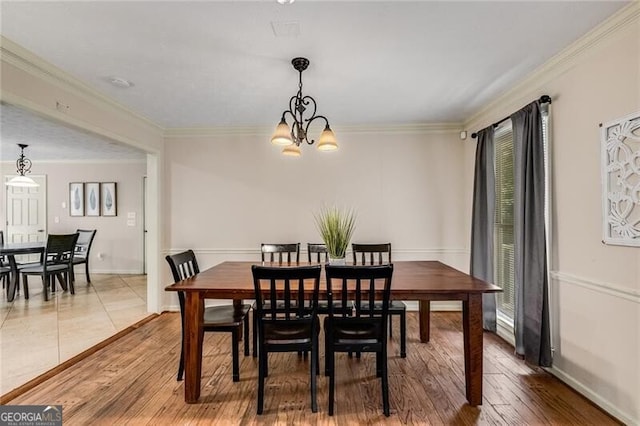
{"points": [[212, 64]]}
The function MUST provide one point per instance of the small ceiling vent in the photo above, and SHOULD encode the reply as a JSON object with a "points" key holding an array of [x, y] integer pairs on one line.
{"points": [[286, 29]]}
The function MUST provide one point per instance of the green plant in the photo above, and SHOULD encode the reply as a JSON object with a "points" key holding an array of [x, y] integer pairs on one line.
{"points": [[336, 228]]}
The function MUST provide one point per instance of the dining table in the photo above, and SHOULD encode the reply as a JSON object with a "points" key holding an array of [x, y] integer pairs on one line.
{"points": [[424, 281], [11, 250]]}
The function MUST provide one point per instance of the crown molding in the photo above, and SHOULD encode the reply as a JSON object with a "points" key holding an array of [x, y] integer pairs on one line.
{"points": [[424, 128], [16, 55], [532, 85]]}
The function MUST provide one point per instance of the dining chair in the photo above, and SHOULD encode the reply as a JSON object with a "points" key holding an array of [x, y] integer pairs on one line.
{"points": [[225, 318], [280, 253], [366, 331], [379, 254], [56, 261], [285, 322], [82, 250], [318, 253]]}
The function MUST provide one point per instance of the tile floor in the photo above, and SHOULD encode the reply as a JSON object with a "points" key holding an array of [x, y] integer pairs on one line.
{"points": [[36, 336]]}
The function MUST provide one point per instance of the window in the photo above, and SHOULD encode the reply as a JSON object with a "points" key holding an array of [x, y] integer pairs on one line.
{"points": [[503, 222], [504, 266]]}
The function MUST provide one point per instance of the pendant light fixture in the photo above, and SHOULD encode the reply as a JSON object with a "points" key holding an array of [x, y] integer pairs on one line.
{"points": [[292, 137], [23, 166]]}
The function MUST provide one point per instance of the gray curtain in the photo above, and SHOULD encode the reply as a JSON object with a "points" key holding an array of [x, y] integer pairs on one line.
{"points": [[483, 222], [530, 257]]}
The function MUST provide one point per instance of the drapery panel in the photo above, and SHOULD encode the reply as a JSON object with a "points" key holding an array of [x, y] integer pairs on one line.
{"points": [[531, 322], [482, 224]]}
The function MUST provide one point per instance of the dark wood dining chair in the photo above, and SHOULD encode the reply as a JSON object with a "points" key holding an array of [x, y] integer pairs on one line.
{"points": [[366, 331], [56, 261], [4, 275], [227, 318], [318, 253], [280, 253], [380, 254], [82, 251], [285, 322]]}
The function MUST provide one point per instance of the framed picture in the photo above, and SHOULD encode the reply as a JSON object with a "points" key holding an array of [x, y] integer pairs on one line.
{"points": [[108, 199], [92, 198], [76, 199], [620, 144]]}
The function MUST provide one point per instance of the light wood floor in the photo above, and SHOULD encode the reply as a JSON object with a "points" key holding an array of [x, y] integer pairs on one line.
{"points": [[36, 336], [132, 381]]}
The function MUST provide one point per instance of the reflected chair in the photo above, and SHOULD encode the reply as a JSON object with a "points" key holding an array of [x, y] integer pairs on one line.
{"points": [[3, 263], [379, 254], [366, 331], [275, 253], [56, 261], [285, 323], [227, 318], [83, 249]]}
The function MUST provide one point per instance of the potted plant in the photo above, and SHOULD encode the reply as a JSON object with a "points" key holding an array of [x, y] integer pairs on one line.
{"points": [[336, 228]]}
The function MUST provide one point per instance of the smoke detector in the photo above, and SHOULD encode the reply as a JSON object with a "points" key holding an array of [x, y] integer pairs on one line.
{"points": [[119, 82]]}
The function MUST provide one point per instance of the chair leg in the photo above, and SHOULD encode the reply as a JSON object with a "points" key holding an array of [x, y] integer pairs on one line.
{"points": [[332, 379], [390, 327], [246, 335], [385, 384], [314, 372], [45, 284], [403, 335], [378, 364], [25, 285], [86, 271], [255, 333], [181, 364], [235, 341], [261, 376]]}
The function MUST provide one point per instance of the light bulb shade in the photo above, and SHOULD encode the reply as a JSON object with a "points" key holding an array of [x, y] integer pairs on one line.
{"points": [[327, 141], [282, 135], [22, 181], [292, 150]]}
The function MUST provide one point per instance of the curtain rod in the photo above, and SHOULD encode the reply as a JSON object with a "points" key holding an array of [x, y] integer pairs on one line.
{"points": [[544, 99]]}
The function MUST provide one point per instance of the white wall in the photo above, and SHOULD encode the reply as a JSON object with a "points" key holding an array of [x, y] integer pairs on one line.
{"points": [[121, 245], [228, 194], [595, 288]]}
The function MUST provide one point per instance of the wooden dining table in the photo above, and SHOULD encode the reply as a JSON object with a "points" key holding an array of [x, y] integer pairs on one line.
{"points": [[423, 281], [11, 250]]}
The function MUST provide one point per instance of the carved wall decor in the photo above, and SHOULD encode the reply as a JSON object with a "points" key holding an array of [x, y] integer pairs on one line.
{"points": [[620, 142]]}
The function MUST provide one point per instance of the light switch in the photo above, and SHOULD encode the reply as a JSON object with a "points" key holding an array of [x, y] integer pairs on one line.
{"points": [[56, 219], [131, 215], [131, 222], [64, 205]]}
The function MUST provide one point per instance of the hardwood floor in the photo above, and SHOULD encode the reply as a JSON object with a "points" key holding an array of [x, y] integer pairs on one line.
{"points": [[132, 381]]}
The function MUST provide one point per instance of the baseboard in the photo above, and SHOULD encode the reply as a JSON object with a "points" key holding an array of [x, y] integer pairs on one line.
{"points": [[115, 271], [593, 396]]}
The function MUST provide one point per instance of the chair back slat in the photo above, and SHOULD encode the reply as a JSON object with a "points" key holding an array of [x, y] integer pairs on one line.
{"points": [[183, 265], [369, 283], [282, 252], [371, 254], [284, 290], [317, 253], [59, 248], [85, 240]]}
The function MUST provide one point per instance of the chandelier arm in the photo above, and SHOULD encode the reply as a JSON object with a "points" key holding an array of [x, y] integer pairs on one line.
{"points": [[309, 100], [309, 121]]}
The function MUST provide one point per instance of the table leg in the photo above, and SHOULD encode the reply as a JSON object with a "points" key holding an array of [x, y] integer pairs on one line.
{"points": [[425, 320], [193, 335], [472, 326], [14, 278]]}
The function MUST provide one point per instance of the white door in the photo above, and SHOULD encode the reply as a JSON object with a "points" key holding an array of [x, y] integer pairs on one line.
{"points": [[26, 212]]}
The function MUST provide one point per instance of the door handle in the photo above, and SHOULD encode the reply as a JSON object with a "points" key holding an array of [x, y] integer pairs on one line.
{"points": [[40, 230]]}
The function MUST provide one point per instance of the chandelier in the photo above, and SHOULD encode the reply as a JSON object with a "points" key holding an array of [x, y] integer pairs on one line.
{"points": [[292, 138], [23, 166]]}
